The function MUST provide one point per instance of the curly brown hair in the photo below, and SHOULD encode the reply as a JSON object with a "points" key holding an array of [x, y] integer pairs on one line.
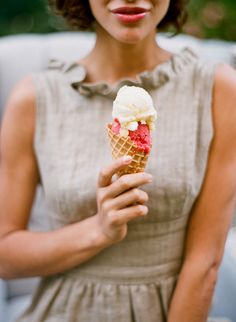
{"points": [[78, 15]]}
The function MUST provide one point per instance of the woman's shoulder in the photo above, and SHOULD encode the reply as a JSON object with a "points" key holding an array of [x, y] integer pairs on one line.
{"points": [[22, 99], [225, 80], [18, 126], [20, 107], [224, 107], [24, 94], [224, 93]]}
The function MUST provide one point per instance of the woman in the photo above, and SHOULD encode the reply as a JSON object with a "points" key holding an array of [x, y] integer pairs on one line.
{"points": [[144, 247]]}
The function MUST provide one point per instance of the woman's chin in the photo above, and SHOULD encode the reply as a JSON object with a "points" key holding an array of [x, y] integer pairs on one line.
{"points": [[130, 37]]}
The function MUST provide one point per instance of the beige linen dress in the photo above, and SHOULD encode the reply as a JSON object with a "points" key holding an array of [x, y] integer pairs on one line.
{"points": [[132, 281]]}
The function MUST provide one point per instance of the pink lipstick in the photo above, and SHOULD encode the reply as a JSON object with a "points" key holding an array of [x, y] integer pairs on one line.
{"points": [[130, 14]]}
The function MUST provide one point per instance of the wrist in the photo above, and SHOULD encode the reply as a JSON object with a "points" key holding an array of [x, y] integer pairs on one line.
{"points": [[98, 238]]}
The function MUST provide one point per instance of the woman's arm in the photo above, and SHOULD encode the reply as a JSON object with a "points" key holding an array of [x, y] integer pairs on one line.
{"points": [[212, 213], [24, 253]]}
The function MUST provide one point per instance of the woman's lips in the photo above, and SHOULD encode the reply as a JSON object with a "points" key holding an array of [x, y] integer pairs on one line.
{"points": [[130, 14]]}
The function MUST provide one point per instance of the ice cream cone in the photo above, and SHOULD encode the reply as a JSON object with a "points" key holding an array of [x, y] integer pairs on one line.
{"points": [[122, 146]]}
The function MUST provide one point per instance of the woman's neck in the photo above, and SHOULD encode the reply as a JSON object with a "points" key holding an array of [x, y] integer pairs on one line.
{"points": [[111, 61]]}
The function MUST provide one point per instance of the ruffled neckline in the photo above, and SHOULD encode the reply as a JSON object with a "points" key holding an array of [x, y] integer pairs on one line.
{"points": [[161, 74]]}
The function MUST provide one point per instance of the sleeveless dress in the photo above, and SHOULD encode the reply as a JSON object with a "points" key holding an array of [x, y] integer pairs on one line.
{"points": [[131, 281]]}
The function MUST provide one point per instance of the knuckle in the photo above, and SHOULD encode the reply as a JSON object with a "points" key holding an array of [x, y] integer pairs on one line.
{"points": [[105, 207], [124, 182], [103, 174], [136, 193], [101, 196], [112, 218], [116, 221], [118, 162]]}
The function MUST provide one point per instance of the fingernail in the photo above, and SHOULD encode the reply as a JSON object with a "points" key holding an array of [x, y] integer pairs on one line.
{"points": [[127, 159], [145, 214]]}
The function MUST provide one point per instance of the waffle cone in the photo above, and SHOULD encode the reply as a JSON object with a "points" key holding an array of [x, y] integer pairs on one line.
{"points": [[122, 146]]}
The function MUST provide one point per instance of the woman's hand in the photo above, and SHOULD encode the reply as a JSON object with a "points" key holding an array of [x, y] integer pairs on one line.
{"points": [[120, 201]]}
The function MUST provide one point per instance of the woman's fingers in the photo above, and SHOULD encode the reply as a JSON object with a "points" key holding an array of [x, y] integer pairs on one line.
{"points": [[129, 198], [123, 216], [120, 201], [127, 182], [105, 175]]}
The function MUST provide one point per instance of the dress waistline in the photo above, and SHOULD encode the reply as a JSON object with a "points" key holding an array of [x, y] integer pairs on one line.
{"points": [[126, 275]]}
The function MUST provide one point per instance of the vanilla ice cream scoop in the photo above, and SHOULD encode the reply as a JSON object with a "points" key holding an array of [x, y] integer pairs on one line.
{"points": [[132, 105]]}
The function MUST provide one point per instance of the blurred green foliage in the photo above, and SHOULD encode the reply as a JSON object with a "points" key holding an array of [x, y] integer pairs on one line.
{"points": [[212, 19], [207, 18]]}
